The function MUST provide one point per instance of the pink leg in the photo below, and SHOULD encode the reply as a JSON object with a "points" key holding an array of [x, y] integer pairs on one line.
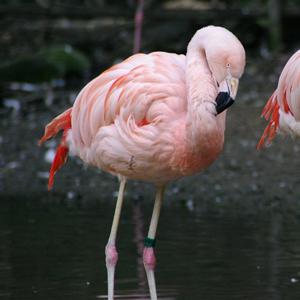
{"points": [[148, 255], [149, 258], [111, 261], [149, 263], [110, 249], [138, 20]]}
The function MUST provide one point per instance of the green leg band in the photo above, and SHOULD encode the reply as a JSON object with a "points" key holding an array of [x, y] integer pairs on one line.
{"points": [[149, 243]]}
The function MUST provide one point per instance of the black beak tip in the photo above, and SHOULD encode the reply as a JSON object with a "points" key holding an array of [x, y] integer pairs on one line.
{"points": [[223, 101]]}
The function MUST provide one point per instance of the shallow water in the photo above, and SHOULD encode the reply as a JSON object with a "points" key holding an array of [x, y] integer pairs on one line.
{"points": [[56, 251]]}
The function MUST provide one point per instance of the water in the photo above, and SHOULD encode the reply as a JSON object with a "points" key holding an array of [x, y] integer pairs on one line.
{"points": [[55, 250]]}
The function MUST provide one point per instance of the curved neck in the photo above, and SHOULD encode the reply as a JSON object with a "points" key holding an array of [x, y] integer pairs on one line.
{"points": [[201, 122], [201, 87]]}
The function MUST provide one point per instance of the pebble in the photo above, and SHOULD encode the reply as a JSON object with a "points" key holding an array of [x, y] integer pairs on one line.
{"points": [[43, 175], [12, 165], [12, 103], [49, 155]]}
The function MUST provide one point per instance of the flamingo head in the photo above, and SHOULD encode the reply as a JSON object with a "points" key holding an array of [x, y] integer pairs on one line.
{"points": [[226, 60]]}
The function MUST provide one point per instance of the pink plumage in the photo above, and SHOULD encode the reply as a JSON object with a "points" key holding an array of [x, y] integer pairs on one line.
{"points": [[135, 119], [283, 108], [155, 117]]}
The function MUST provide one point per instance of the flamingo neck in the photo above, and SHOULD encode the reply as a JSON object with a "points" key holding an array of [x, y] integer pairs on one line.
{"points": [[201, 122]]}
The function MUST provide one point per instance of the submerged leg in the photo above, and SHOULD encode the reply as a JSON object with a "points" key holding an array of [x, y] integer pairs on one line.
{"points": [[110, 250], [148, 255]]}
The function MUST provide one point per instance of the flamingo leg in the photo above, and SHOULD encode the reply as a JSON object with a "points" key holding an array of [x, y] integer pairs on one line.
{"points": [[138, 20], [148, 254], [110, 249]]}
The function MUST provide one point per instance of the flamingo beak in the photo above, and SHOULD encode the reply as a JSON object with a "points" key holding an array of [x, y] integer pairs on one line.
{"points": [[227, 93]]}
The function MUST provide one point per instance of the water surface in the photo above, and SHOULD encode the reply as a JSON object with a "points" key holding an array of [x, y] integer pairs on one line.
{"points": [[55, 250]]}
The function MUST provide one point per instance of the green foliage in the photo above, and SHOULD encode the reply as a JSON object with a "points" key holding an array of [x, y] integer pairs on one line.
{"points": [[67, 60], [48, 64]]}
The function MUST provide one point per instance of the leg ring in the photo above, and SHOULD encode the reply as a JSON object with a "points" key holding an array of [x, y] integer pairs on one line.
{"points": [[149, 242]]}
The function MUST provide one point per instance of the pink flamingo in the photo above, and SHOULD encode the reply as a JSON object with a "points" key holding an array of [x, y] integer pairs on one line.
{"points": [[283, 108], [155, 117], [138, 21]]}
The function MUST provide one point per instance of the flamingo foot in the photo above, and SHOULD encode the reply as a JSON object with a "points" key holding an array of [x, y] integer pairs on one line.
{"points": [[149, 264], [111, 261]]}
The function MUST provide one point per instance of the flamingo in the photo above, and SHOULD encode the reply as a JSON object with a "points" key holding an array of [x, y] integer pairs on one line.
{"points": [[138, 21], [283, 107], [154, 117]]}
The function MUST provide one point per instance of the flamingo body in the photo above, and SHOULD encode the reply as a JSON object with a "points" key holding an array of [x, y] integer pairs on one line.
{"points": [[131, 121], [283, 108], [152, 117]]}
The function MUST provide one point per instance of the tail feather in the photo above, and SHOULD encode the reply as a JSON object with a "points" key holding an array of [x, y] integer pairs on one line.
{"points": [[271, 114], [59, 160], [61, 122]]}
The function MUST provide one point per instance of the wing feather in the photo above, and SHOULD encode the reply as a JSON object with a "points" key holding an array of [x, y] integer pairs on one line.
{"points": [[146, 88], [289, 82], [283, 108]]}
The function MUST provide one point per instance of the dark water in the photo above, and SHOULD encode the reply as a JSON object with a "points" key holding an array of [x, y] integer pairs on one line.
{"points": [[55, 250]]}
